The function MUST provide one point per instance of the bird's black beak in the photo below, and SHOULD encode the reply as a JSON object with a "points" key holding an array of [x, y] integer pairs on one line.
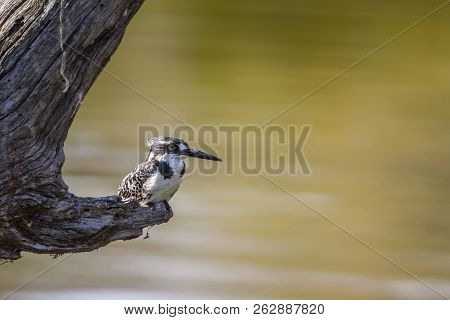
{"points": [[199, 154]]}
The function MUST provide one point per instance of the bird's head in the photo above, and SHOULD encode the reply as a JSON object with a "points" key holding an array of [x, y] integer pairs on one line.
{"points": [[175, 147]]}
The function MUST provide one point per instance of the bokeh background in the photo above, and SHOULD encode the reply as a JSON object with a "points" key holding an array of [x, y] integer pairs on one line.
{"points": [[379, 152]]}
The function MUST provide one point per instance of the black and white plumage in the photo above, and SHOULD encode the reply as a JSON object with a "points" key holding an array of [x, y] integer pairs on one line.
{"points": [[159, 177]]}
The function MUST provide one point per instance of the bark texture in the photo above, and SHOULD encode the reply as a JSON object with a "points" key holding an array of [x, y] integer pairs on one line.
{"points": [[51, 52]]}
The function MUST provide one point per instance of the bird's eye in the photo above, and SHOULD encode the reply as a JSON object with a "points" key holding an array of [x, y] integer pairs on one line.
{"points": [[171, 147]]}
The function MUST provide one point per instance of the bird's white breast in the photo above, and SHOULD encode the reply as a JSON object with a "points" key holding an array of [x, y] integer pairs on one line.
{"points": [[161, 188]]}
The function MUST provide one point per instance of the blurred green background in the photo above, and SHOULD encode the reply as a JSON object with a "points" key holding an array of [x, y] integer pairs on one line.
{"points": [[379, 151]]}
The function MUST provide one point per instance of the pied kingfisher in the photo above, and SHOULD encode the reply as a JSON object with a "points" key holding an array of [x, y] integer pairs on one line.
{"points": [[159, 177]]}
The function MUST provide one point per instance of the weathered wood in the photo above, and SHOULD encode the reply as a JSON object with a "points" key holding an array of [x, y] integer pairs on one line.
{"points": [[41, 88]]}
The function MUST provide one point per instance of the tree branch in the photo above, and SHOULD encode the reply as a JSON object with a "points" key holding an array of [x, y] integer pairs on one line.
{"points": [[50, 54]]}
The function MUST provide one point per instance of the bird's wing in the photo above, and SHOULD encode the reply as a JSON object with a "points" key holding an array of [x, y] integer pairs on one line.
{"points": [[131, 188]]}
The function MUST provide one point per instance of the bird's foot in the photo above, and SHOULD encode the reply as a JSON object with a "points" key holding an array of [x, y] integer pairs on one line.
{"points": [[167, 205], [159, 206]]}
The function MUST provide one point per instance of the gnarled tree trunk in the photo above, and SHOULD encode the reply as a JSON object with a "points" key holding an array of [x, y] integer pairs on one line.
{"points": [[51, 51]]}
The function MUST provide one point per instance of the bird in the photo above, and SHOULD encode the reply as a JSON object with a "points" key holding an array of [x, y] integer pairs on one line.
{"points": [[159, 177]]}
